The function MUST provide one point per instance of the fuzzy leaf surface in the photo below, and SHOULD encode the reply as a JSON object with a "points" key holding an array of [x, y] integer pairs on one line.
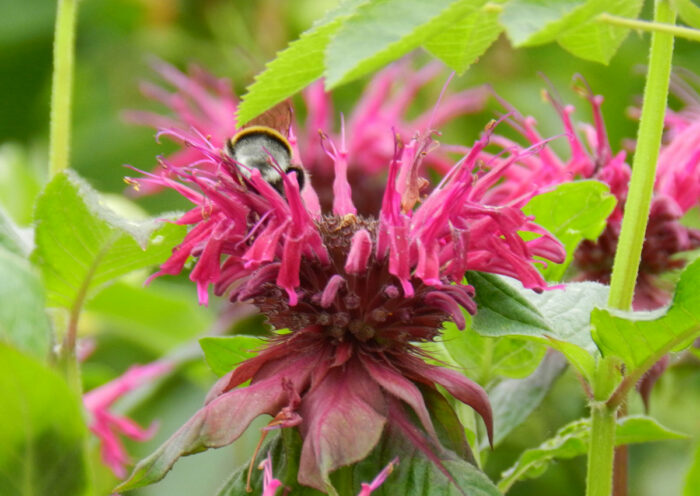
{"points": [[531, 22], [459, 46], [572, 440], [40, 452], [23, 321], [485, 358], [11, 238], [295, 67], [596, 41], [572, 212], [572, 23], [223, 353], [81, 245], [513, 400], [20, 176], [558, 317], [384, 30], [641, 338]]}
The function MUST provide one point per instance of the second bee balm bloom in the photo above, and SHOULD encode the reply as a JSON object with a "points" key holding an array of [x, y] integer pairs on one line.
{"points": [[357, 293]]}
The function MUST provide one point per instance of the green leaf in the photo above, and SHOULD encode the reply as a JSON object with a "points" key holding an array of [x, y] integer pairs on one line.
{"points": [[460, 45], [688, 12], [572, 212], [295, 67], [640, 339], [20, 182], [81, 245], [223, 354], [513, 400], [486, 358], [384, 30], [572, 440], [593, 40], [530, 22], [158, 317], [692, 478], [572, 23], [41, 433], [12, 237], [23, 321], [558, 317]]}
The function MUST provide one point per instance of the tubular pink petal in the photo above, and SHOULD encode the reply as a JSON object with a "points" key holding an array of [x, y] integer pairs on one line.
{"points": [[265, 246], [131, 429], [360, 251], [288, 276], [342, 194], [106, 425], [331, 290]]}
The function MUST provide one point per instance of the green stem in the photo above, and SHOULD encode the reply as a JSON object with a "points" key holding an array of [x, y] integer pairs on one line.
{"points": [[634, 223], [654, 27], [599, 480], [601, 450], [62, 85]]}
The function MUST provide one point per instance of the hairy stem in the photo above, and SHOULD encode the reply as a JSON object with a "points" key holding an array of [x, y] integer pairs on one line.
{"points": [[599, 480], [62, 85], [601, 450], [641, 185]]}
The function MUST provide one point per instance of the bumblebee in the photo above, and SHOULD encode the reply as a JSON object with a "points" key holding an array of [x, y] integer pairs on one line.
{"points": [[263, 144]]}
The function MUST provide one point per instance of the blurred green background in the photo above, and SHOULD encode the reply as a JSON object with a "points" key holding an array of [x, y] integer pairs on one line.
{"points": [[234, 39]]}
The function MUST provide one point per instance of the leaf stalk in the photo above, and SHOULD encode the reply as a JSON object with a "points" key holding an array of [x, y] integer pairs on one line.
{"points": [[653, 27]]}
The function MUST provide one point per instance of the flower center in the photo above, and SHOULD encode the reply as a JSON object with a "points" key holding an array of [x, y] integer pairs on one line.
{"points": [[366, 306]]}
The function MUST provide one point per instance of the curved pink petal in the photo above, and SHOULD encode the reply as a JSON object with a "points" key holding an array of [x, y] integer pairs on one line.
{"points": [[403, 389]]}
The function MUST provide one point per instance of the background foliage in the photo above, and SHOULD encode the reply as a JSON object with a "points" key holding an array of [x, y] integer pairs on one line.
{"points": [[235, 39]]}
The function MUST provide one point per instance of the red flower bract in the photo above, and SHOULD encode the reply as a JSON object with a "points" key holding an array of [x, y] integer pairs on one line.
{"points": [[357, 293]]}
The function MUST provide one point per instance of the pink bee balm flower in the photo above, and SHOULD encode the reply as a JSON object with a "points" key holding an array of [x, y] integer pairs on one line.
{"points": [[358, 293], [207, 104], [677, 189], [107, 426]]}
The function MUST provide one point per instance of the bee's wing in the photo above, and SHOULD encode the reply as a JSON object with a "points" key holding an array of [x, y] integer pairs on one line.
{"points": [[278, 118]]}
